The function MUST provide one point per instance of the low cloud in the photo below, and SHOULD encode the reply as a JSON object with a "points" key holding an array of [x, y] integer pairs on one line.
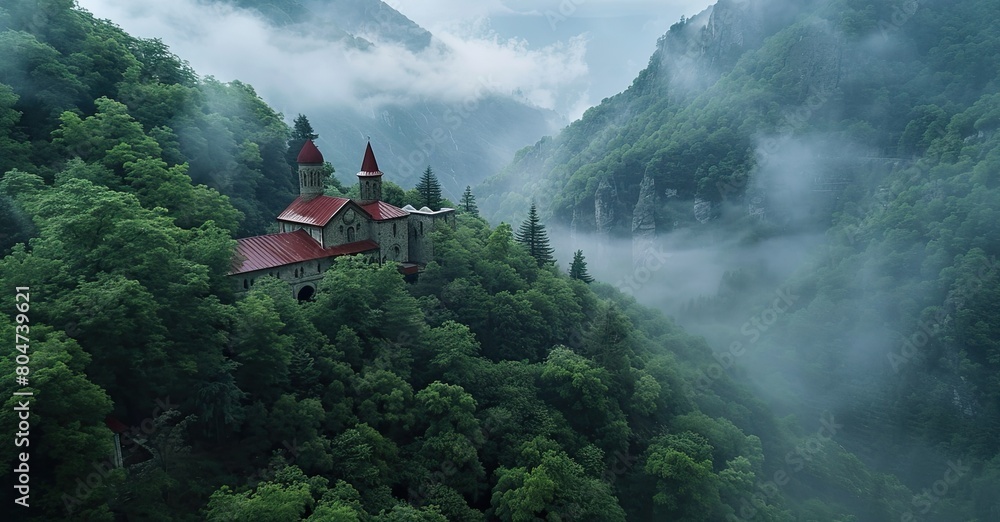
{"points": [[465, 61]]}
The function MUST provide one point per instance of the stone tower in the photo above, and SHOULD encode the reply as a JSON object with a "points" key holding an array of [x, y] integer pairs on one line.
{"points": [[370, 178], [310, 171]]}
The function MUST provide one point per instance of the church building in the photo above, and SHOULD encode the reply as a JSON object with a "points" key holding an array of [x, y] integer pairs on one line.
{"points": [[315, 229]]}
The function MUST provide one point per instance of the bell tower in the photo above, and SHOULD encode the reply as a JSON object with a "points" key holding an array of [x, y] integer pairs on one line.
{"points": [[370, 178], [310, 171]]}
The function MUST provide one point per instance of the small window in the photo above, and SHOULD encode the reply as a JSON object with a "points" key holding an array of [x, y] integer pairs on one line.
{"points": [[319, 268], [245, 285], [393, 230]]}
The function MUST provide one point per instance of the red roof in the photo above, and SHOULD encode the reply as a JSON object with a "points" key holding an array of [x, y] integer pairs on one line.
{"points": [[309, 153], [369, 167], [115, 425], [316, 211], [274, 250], [382, 211]]}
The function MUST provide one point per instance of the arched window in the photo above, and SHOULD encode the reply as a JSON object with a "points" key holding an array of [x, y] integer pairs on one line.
{"points": [[245, 284], [319, 268], [395, 252], [393, 230], [421, 228], [350, 234], [306, 293]]}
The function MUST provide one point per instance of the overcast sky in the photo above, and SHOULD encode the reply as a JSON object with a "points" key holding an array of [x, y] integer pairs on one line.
{"points": [[564, 55], [618, 35]]}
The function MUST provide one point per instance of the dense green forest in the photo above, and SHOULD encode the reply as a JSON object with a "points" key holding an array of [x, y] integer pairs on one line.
{"points": [[496, 387], [871, 125]]}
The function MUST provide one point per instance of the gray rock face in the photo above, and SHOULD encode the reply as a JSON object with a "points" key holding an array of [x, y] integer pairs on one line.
{"points": [[644, 219], [702, 210], [815, 60], [698, 51], [733, 27], [643, 222], [604, 207]]}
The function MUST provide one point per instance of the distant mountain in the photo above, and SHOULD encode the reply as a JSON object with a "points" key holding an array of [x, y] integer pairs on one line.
{"points": [[757, 109], [463, 141], [845, 154]]}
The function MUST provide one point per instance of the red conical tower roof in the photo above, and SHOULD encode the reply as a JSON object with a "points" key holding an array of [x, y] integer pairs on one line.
{"points": [[369, 167], [309, 153]]}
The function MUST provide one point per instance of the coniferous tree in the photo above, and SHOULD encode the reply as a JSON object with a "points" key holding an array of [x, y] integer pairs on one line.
{"points": [[578, 269], [532, 235], [469, 202], [429, 189], [301, 131]]}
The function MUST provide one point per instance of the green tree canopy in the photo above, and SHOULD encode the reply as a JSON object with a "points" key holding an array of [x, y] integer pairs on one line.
{"points": [[533, 236], [578, 268], [429, 190]]}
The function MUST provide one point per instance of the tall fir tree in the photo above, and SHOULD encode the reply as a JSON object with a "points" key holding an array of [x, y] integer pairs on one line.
{"points": [[469, 202], [578, 269], [429, 189], [532, 235], [301, 131]]}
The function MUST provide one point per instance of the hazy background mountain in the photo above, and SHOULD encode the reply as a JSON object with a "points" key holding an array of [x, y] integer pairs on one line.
{"points": [[810, 186], [843, 152], [462, 100]]}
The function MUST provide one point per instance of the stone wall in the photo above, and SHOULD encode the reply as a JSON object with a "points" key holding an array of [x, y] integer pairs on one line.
{"points": [[297, 275], [393, 239], [339, 230], [421, 224]]}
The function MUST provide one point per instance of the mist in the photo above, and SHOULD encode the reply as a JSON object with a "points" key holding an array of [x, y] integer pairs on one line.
{"points": [[495, 77]]}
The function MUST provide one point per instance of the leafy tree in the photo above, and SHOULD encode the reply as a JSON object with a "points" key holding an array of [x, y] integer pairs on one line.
{"points": [[393, 194], [13, 152], [549, 485], [533, 236], [290, 496], [429, 190], [468, 202], [686, 485], [302, 131], [578, 268], [67, 413]]}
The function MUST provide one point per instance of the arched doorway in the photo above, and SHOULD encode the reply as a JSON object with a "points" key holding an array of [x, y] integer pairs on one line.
{"points": [[306, 293]]}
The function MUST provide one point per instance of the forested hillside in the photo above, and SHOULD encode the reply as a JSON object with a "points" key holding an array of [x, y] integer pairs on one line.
{"points": [[495, 387], [869, 125], [737, 96]]}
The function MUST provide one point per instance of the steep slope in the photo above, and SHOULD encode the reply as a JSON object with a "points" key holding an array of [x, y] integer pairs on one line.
{"points": [[763, 106], [494, 387], [872, 128]]}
